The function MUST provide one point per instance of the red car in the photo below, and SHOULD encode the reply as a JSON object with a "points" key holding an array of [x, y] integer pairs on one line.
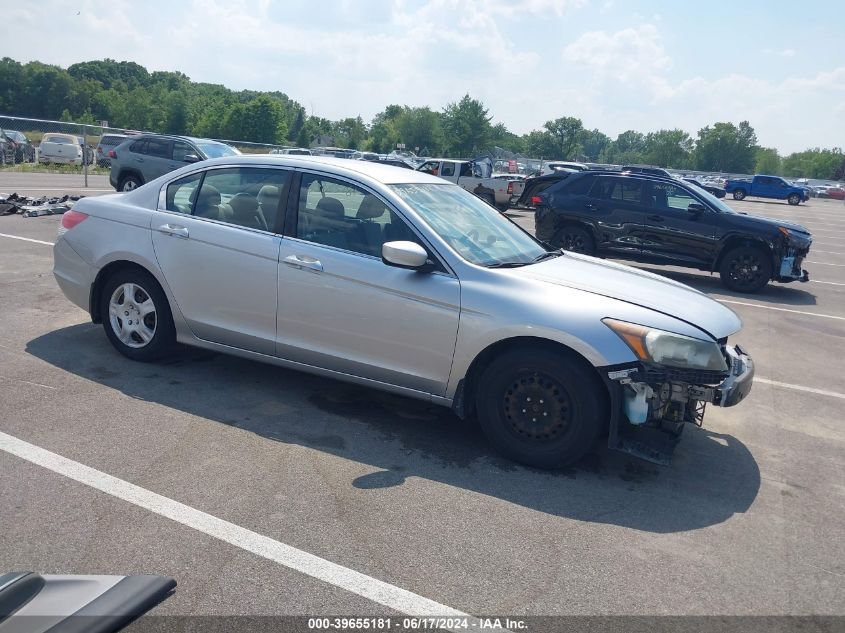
{"points": [[837, 193]]}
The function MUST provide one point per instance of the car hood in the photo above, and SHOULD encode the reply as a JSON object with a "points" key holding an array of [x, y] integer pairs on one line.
{"points": [[638, 287], [775, 223]]}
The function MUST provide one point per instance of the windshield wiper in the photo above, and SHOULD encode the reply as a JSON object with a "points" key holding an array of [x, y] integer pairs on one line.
{"points": [[548, 255], [508, 264]]}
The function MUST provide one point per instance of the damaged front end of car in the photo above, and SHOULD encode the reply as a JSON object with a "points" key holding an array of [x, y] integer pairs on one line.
{"points": [[652, 399]]}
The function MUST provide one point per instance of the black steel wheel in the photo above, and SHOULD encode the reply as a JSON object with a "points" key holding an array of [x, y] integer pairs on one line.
{"points": [[541, 408], [575, 239], [746, 269]]}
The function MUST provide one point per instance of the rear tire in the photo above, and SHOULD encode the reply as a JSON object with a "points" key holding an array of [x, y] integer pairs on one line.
{"points": [[739, 194], [746, 269], [540, 407], [575, 239], [130, 182], [793, 199], [136, 316]]}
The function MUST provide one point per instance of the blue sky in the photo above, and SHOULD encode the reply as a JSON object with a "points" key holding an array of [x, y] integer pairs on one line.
{"points": [[615, 64]]}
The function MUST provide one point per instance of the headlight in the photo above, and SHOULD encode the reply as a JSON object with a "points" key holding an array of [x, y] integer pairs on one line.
{"points": [[669, 349]]}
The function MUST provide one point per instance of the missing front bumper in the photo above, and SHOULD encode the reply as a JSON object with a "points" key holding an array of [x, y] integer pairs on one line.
{"points": [[652, 435]]}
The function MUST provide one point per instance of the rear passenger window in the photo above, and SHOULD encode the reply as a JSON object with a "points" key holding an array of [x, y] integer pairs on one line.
{"points": [[180, 193], [246, 196], [335, 213], [158, 147], [139, 147], [619, 189], [580, 186]]}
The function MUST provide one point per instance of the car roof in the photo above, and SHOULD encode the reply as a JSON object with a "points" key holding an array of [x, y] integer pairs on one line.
{"points": [[386, 174]]}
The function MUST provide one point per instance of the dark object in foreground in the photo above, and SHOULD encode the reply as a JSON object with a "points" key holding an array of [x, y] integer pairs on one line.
{"points": [[31, 602]]}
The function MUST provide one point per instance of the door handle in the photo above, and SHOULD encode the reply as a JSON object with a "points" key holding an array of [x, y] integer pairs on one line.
{"points": [[304, 262], [656, 218], [139, 160], [590, 207], [175, 231]]}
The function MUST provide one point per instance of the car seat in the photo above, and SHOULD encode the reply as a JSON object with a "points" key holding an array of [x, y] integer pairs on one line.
{"points": [[367, 236], [246, 212]]}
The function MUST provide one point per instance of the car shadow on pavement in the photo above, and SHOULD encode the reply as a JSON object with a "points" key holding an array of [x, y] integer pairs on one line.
{"points": [[713, 475], [786, 294]]}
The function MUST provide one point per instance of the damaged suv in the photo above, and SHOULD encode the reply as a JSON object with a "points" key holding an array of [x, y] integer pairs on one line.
{"points": [[659, 220], [398, 280]]}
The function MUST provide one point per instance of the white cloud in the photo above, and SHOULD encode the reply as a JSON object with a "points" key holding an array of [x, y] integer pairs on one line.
{"points": [[786, 52]]}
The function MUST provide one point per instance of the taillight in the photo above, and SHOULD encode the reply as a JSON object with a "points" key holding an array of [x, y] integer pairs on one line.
{"points": [[510, 188], [70, 219], [536, 201], [112, 154]]}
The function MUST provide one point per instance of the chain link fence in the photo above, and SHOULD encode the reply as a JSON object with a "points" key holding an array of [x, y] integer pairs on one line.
{"points": [[41, 145]]}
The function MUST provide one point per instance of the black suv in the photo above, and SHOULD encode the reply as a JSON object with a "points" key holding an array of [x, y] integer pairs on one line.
{"points": [[667, 221]]}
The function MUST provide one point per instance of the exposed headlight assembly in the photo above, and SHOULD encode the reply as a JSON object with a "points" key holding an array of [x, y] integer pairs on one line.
{"points": [[666, 348]]}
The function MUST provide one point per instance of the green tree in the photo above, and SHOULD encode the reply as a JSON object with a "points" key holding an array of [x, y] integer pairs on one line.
{"points": [[593, 143], [500, 136], [564, 134], [628, 148], [767, 161], [419, 127], [726, 147], [813, 163], [467, 126], [668, 148], [350, 132]]}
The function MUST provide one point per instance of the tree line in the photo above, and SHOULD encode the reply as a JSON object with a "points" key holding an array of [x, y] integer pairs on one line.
{"points": [[126, 95]]}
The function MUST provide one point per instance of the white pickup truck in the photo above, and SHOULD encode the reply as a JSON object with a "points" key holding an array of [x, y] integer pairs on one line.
{"points": [[469, 175], [60, 148]]}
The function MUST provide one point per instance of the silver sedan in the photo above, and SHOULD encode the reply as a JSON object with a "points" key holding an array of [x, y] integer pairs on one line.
{"points": [[394, 279]]}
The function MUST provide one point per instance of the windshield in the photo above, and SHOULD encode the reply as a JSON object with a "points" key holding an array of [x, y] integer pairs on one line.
{"points": [[216, 150], [476, 231], [713, 200]]}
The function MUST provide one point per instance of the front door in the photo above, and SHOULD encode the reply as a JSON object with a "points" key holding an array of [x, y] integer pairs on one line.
{"points": [[342, 308], [217, 244], [675, 233]]}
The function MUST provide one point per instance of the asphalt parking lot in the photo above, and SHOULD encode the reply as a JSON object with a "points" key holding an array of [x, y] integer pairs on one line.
{"points": [[748, 520]]}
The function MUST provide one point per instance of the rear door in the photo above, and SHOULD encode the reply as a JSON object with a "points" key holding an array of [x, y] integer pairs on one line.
{"points": [[156, 158], [216, 240], [673, 232], [341, 308], [617, 208]]}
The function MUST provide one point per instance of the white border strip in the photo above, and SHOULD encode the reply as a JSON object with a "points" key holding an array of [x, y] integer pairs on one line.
{"points": [[757, 305], [26, 239], [342, 577], [786, 385]]}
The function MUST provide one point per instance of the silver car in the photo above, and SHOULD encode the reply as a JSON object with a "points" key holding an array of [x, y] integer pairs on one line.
{"points": [[395, 279]]}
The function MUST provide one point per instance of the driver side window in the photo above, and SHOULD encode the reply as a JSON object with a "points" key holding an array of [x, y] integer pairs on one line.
{"points": [[669, 197]]}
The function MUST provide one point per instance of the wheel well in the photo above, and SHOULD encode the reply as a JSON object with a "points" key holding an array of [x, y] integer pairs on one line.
{"points": [[129, 172], [490, 353], [562, 223], [737, 242], [103, 276]]}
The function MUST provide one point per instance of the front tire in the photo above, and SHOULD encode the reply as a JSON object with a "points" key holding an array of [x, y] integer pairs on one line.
{"points": [[575, 239], [136, 316], [739, 194], [793, 199], [540, 407], [746, 269]]}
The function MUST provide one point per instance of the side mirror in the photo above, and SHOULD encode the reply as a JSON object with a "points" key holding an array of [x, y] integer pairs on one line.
{"points": [[191, 158], [696, 208], [404, 255]]}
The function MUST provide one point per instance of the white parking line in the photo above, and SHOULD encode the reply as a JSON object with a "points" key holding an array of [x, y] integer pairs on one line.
{"points": [[828, 252], [786, 385], [757, 305], [821, 263], [337, 575], [829, 283], [26, 239]]}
